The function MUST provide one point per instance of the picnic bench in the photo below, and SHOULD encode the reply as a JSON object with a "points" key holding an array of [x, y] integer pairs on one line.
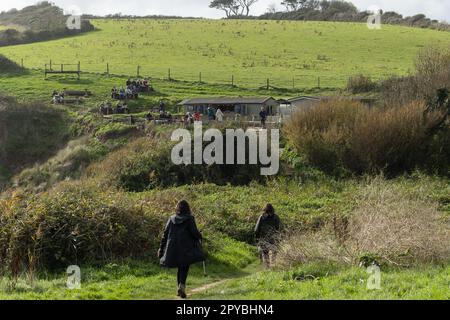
{"points": [[77, 93]]}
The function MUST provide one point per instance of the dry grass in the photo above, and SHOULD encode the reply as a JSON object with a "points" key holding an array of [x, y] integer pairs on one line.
{"points": [[341, 133], [387, 225]]}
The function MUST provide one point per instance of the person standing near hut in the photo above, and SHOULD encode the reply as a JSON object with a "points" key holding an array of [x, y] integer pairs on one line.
{"points": [[219, 115], [263, 116], [181, 245]]}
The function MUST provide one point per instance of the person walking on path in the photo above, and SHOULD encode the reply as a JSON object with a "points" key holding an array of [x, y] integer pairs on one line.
{"points": [[267, 231], [181, 244]]}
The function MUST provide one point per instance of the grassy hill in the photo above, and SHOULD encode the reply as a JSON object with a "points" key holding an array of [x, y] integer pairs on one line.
{"points": [[288, 52], [102, 199]]}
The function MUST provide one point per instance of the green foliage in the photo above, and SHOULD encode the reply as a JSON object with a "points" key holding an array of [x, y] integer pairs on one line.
{"points": [[145, 164], [315, 282], [342, 136]]}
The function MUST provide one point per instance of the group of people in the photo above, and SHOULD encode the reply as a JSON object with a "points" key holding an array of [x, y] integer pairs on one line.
{"points": [[181, 244], [58, 97], [131, 90], [214, 114], [107, 108]]}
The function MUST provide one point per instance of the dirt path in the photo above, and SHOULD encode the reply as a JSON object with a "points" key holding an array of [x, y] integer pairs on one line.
{"points": [[206, 287], [252, 268]]}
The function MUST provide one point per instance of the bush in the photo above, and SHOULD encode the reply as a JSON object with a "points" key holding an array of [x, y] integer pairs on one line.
{"points": [[340, 136], [146, 164], [387, 226], [360, 84], [29, 133], [74, 223], [432, 72]]}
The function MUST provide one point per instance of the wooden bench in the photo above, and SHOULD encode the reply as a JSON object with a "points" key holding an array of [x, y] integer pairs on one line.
{"points": [[77, 93]]}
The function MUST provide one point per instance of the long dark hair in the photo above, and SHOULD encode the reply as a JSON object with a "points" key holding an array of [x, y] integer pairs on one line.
{"points": [[183, 208], [269, 209]]}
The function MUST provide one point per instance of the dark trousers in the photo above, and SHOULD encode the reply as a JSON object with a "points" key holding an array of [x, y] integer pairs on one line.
{"points": [[182, 275]]}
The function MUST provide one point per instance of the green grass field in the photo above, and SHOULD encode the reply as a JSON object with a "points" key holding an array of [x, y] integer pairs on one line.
{"points": [[252, 51]]}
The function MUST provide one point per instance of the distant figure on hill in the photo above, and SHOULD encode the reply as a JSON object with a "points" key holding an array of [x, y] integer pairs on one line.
{"points": [[181, 244], [219, 115], [162, 106], [263, 116], [266, 231]]}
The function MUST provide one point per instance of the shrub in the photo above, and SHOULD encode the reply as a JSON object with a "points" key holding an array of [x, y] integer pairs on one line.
{"points": [[360, 84], [432, 72], [146, 164], [387, 226], [341, 136], [72, 224]]}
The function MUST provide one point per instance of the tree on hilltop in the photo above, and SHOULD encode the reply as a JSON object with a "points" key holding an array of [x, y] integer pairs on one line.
{"points": [[233, 8]]}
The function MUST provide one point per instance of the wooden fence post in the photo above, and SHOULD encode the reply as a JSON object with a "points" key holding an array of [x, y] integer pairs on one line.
{"points": [[107, 68], [200, 77], [232, 80], [318, 82], [138, 71], [268, 84], [170, 77]]}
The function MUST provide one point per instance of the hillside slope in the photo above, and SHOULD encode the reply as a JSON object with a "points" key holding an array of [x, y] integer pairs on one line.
{"points": [[28, 133]]}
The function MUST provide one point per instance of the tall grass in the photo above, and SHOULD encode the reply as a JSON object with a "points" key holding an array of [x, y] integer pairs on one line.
{"points": [[345, 136], [387, 226]]}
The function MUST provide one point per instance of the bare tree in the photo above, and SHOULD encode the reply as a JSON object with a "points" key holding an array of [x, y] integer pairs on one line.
{"points": [[245, 6], [233, 7]]}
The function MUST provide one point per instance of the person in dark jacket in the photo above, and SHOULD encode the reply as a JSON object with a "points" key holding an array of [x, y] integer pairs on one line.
{"points": [[181, 244], [263, 116], [266, 231]]}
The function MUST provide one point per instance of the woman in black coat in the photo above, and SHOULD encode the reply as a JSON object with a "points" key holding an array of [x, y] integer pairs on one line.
{"points": [[267, 233], [181, 244]]}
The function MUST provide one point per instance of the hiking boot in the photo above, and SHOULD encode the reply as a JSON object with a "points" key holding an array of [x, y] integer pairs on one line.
{"points": [[182, 291]]}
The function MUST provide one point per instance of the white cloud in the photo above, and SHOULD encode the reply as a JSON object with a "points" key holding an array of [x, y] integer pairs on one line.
{"points": [[436, 9]]}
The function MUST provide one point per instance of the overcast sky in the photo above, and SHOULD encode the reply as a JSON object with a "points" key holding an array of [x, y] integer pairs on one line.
{"points": [[436, 9]]}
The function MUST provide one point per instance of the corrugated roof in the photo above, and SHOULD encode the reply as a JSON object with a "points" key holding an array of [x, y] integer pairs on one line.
{"points": [[226, 100]]}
